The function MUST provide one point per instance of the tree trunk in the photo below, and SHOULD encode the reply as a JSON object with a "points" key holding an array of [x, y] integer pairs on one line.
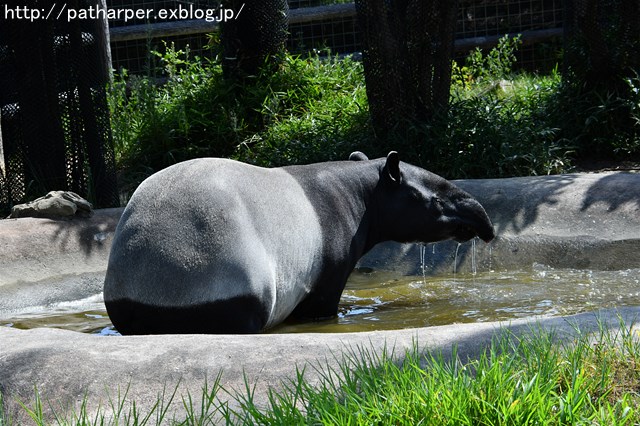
{"points": [[407, 52], [257, 32]]}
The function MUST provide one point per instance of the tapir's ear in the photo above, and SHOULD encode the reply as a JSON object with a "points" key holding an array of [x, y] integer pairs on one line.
{"points": [[392, 167], [358, 156]]}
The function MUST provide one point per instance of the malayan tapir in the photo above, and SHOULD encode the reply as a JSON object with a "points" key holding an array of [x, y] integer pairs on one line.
{"points": [[217, 246]]}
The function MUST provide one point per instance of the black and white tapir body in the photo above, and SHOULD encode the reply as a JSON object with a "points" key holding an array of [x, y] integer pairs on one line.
{"points": [[217, 246]]}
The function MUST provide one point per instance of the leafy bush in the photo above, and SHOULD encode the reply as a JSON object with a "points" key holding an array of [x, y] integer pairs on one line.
{"points": [[155, 125], [499, 123], [499, 134], [310, 109], [314, 110], [600, 122], [480, 68]]}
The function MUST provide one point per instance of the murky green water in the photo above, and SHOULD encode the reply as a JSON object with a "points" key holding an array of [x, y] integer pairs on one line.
{"points": [[382, 301]]}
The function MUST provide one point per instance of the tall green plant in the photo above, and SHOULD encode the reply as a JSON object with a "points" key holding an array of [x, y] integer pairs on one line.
{"points": [[154, 121], [309, 109], [481, 69], [601, 124], [497, 122]]}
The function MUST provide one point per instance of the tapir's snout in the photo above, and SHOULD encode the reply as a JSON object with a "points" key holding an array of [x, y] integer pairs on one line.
{"points": [[473, 222]]}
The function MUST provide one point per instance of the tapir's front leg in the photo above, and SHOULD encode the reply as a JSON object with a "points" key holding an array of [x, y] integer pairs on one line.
{"points": [[323, 301]]}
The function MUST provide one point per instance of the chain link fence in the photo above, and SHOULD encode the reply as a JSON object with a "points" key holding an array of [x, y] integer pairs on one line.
{"points": [[331, 24], [480, 23]]}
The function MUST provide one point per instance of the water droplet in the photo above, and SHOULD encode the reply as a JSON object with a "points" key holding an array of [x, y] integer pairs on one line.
{"points": [[474, 268], [455, 259], [423, 265]]}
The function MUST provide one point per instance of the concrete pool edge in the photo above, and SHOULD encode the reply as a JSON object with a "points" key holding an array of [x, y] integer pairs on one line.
{"points": [[564, 221], [70, 369], [567, 221]]}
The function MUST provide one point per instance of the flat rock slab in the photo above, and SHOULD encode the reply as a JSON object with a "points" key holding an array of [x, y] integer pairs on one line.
{"points": [[46, 261], [573, 221], [70, 369], [55, 204]]}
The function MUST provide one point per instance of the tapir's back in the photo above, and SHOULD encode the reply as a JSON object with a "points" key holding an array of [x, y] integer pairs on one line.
{"points": [[213, 229]]}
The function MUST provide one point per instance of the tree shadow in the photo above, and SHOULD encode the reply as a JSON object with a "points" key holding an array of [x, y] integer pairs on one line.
{"points": [[91, 235], [536, 205], [514, 204], [614, 191]]}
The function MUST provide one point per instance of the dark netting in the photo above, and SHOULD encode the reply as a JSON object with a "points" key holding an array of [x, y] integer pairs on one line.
{"points": [[407, 52], [54, 114], [260, 31], [602, 39]]}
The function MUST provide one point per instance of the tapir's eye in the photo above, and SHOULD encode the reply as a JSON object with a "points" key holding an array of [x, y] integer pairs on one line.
{"points": [[437, 202], [416, 195]]}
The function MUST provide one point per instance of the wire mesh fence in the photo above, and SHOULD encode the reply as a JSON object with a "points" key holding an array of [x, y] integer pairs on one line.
{"points": [[55, 130], [331, 24], [339, 34], [491, 18], [487, 18]]}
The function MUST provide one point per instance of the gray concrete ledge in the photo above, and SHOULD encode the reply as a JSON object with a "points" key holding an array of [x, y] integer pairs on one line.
{"points": [[573, 221], [45, 261], [565, 221], [69, 367]]}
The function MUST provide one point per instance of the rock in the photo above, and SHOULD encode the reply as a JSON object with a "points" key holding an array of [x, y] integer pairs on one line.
{"points": [[82, 204], [54, 204]]}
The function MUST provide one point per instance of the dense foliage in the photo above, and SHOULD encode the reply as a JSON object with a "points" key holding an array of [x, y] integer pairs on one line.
{"points": [[308, 110], [314, 108]]}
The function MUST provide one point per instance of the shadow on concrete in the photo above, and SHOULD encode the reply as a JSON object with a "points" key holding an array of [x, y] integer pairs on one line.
{"points": [[614, 191], [605, 206], [513, 204], [91, 235]]}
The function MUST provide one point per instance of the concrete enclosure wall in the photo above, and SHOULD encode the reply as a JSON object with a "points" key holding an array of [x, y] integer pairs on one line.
{"points": [[575, 221], [583, 221]]}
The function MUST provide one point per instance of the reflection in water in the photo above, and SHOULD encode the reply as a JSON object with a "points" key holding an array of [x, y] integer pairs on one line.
{"points": [[384, 301]]}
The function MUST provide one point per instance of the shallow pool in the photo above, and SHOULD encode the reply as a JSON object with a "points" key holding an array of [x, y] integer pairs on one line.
{"points": [[383, 301]]}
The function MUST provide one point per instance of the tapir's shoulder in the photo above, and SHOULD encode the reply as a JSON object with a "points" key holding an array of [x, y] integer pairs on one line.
{"points": [[333, 170], [207, 169]]}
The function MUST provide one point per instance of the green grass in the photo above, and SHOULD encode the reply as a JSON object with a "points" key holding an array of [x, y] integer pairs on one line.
{"points": [[530, 379], [498, 128]]}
